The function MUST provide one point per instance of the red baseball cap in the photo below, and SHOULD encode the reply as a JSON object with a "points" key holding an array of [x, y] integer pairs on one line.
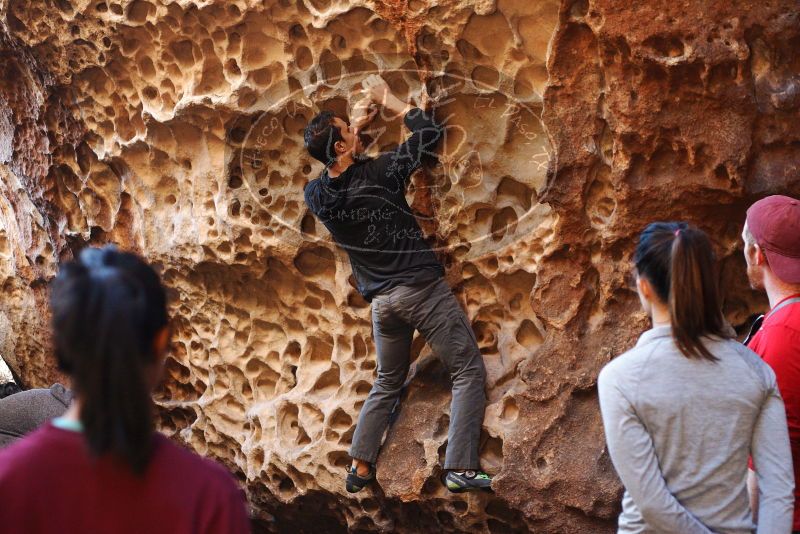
{"points": [[775, 223]]}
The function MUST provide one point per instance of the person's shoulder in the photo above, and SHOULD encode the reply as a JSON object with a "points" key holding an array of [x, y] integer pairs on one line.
{"points": [[777, 343], [185, 463], [636, 354], [621, 365], [27, 451], [783, 326], [628, 366], [752, 360], [732, 344], [786, 311]]}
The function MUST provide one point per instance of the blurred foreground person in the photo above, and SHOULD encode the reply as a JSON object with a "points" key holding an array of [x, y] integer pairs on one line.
{"points": [[25, 411], [101, 467], [685, 408], [772, 250]]}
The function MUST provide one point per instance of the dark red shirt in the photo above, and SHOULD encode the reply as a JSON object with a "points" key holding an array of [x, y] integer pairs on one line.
{"points": [[778, 342], [49, 483]]}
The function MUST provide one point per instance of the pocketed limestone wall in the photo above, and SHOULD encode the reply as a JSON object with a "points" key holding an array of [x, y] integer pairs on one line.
{"points": [[175, 129]]}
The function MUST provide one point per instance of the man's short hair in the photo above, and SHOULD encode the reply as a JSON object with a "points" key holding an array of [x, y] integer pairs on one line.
{"points": [[749, 239], [320, 137]]}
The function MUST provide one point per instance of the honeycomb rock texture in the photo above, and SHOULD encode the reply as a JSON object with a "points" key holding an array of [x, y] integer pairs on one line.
{"points": [[174, 128]]}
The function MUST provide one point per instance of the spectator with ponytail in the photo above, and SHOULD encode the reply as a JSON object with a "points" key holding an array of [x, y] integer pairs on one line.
{"points": [[101, 467], [688, 404]]}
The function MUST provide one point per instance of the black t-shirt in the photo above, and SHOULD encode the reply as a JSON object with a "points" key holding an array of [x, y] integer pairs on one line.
{"points": [[366, 212]]}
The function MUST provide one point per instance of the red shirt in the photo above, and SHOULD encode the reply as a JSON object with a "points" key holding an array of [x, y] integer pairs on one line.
{"points": [[49, 483], [778, 342]]}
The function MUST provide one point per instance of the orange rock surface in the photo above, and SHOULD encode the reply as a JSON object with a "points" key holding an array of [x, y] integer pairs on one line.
{"points": [[175, 129]]}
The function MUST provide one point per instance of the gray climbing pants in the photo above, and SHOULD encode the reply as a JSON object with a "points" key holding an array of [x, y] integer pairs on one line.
{"points": [[431, 308]]}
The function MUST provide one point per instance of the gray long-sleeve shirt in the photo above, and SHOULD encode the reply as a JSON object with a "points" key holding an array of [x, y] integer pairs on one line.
{"points": [[679, 433]]}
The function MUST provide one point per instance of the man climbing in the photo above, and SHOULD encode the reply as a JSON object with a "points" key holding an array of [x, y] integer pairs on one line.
{"points": [[362, 202]]}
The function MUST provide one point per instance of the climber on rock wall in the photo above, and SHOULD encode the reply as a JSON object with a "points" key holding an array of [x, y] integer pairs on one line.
{"points": [[684, 408], [361, 201], [772, 251]]}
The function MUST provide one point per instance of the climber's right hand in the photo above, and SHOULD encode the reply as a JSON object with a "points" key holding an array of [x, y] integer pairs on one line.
{"points": [[377, 89]]}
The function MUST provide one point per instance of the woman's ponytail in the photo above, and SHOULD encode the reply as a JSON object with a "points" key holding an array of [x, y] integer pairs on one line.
{"points": [[694, 303], [108, 308], [678, 261]]}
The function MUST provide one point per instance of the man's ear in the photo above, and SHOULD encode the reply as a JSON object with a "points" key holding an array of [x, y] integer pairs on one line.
{"points": [[761, 258], [644, 288]]}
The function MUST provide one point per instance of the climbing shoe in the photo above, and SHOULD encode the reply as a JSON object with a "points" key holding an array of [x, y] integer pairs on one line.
{"points": [[355, 483], [460, 481]]}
